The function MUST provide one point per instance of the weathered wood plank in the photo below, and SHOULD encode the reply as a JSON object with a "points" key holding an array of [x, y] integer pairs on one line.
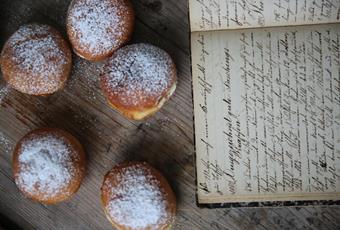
{"points": [[165, 140]]}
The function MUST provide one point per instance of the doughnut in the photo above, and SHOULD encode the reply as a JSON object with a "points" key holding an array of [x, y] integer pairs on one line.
{"points": [[137, 196], [138, 79], [36, 60], [97, 28], [48, 165]]}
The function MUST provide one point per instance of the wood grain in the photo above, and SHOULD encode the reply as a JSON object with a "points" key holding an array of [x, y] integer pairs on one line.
{"points": [[165, 140]]}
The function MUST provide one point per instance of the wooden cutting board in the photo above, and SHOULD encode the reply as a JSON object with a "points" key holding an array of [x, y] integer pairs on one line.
{"points": [[165, 140]]}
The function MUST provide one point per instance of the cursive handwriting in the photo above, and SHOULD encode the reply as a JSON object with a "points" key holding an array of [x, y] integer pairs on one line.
{"points": [[272, 110], [235, 14]]}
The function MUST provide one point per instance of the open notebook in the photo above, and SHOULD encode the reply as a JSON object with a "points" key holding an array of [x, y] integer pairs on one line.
{"points": [[266, 86]]}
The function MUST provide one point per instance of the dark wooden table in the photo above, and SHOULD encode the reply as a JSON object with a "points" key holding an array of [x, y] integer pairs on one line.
{"points": [[165, 140]]}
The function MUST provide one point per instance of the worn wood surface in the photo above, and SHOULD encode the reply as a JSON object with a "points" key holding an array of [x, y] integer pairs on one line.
{"points": [[165, 140]]}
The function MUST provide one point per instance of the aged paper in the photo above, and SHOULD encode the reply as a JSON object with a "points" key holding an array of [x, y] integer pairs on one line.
{"points": [[267, 113], [235, 14]]}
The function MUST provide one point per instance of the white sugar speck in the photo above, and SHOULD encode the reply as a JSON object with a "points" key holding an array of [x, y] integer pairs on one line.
{"points": [[85, 75], [4, 91], [5, 143]]}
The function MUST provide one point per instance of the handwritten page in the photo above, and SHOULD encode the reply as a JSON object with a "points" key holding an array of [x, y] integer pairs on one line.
{"points": [[267, 113], [235, 14]]}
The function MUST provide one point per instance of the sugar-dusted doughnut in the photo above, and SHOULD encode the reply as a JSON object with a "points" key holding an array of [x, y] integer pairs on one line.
{"points": [[48, 165], [137, 196], [36, 60], [138, 79], [96, 28]]}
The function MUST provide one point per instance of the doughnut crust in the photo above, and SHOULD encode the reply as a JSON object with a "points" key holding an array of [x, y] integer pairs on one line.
{"points": [[48, 165], [97, 28], [36, 60], [138, 79], [137, 196]]}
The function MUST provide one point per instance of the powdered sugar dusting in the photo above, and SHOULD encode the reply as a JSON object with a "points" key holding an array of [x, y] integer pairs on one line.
{"points": [[139, 73], [137, 200], [85, 76], [45, 165], [98, 26], [4, 91], [37, 58], [5, 142]]}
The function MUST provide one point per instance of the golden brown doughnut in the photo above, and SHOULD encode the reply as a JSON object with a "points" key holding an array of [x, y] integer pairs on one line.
{"points": [[36, 60], [137, 196], [97, 28], [138, 79], [48, 165]]}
